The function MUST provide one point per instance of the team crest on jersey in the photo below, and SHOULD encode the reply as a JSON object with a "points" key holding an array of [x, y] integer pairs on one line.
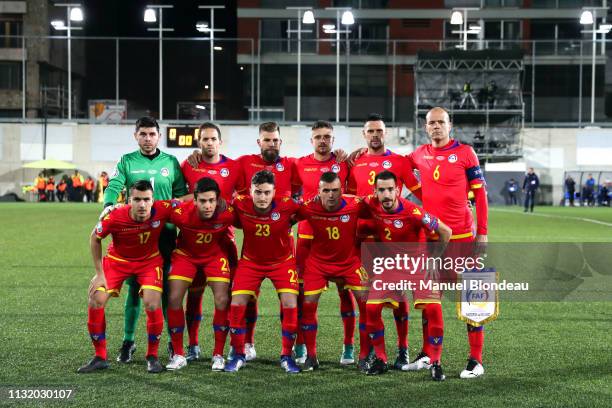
{"points": [[164, 172], [398, 223], [280, 167], [387, 164], [336, 168], [452, 158], [275, 216], [224, 172], [426, 219], [115, 173], [345, 218], [155, 224]]}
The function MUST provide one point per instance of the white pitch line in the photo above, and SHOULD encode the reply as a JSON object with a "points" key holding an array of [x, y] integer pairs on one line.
{"points": [[607, 224]]}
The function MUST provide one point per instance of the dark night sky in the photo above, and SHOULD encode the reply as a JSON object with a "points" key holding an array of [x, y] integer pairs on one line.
{"points": [[186, 63]]}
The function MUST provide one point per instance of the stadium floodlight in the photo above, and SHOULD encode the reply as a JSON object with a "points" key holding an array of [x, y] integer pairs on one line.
{"points": [[212, 30], [201, 107], [73, 13], [59, 25], [604, 28], [218, 48], [76, 14], [586, 17], [456, 18], [304, 15], [149, 16], [475, 27], [308, 17], [348, 18], [328, 26], [202, 27]]}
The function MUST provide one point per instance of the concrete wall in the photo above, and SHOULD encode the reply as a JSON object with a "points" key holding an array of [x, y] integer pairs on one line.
{"points": [[94, 148]]}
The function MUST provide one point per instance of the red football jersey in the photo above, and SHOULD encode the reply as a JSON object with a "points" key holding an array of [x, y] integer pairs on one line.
{"points": [[227, 173], [406, 224], [285, 175], [134, 241], [267, 237], [201, 239], [447, 174], [365, 169], [335, 233], [309, 171]]}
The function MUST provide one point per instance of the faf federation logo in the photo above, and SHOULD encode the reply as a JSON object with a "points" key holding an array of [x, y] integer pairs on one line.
{"points": [[164, 172], [345, 218], [452, 158], [398, 224], [275, 216], [224, 172], [336, 168], [155, 224], [280, 167], [387, 164]]}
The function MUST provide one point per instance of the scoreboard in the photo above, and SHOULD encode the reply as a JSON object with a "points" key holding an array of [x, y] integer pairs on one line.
{"points": [[182, 136]]}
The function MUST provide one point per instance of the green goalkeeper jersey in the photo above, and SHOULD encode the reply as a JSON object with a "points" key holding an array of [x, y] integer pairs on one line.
{"points": [[164, 173]]}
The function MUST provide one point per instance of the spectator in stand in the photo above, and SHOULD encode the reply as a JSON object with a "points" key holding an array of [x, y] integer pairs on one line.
{"points": [[50, 189], [77, 186], [589, 191], [61, 189], [40, 183], [570, 189], [604, 195], [88, 187]]}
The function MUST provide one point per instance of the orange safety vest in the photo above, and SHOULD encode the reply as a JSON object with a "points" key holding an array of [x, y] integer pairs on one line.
{"points": [[76, 181], [50, 186], [61, 187], [89, 185], [40, 183]]}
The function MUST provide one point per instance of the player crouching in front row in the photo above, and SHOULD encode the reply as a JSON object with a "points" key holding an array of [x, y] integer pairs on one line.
{"points": [[203, 225], [135, 230]]}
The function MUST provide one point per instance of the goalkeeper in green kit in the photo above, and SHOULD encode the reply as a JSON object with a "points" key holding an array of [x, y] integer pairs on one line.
{"points": [[163, 171]]}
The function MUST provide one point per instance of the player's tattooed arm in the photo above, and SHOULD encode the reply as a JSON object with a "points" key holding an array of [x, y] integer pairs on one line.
{"points": [[98, 280]]}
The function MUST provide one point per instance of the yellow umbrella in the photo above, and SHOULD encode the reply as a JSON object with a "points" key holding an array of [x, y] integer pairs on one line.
{"points": [[49, 164]]}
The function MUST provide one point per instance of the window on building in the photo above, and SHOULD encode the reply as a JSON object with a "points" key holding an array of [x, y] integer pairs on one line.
{"points": [[9, 27], [10, 75]]}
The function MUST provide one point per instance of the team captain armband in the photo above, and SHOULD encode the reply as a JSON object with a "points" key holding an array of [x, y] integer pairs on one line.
{"points": [[430, 222], [475, 177]]}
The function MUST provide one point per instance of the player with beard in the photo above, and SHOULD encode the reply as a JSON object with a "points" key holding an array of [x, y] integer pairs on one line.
{"points": [[367, 164], [310, 168]]}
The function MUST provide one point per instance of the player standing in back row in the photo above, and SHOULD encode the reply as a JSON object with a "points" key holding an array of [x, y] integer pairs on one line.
{"points": [[448, 171]]}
